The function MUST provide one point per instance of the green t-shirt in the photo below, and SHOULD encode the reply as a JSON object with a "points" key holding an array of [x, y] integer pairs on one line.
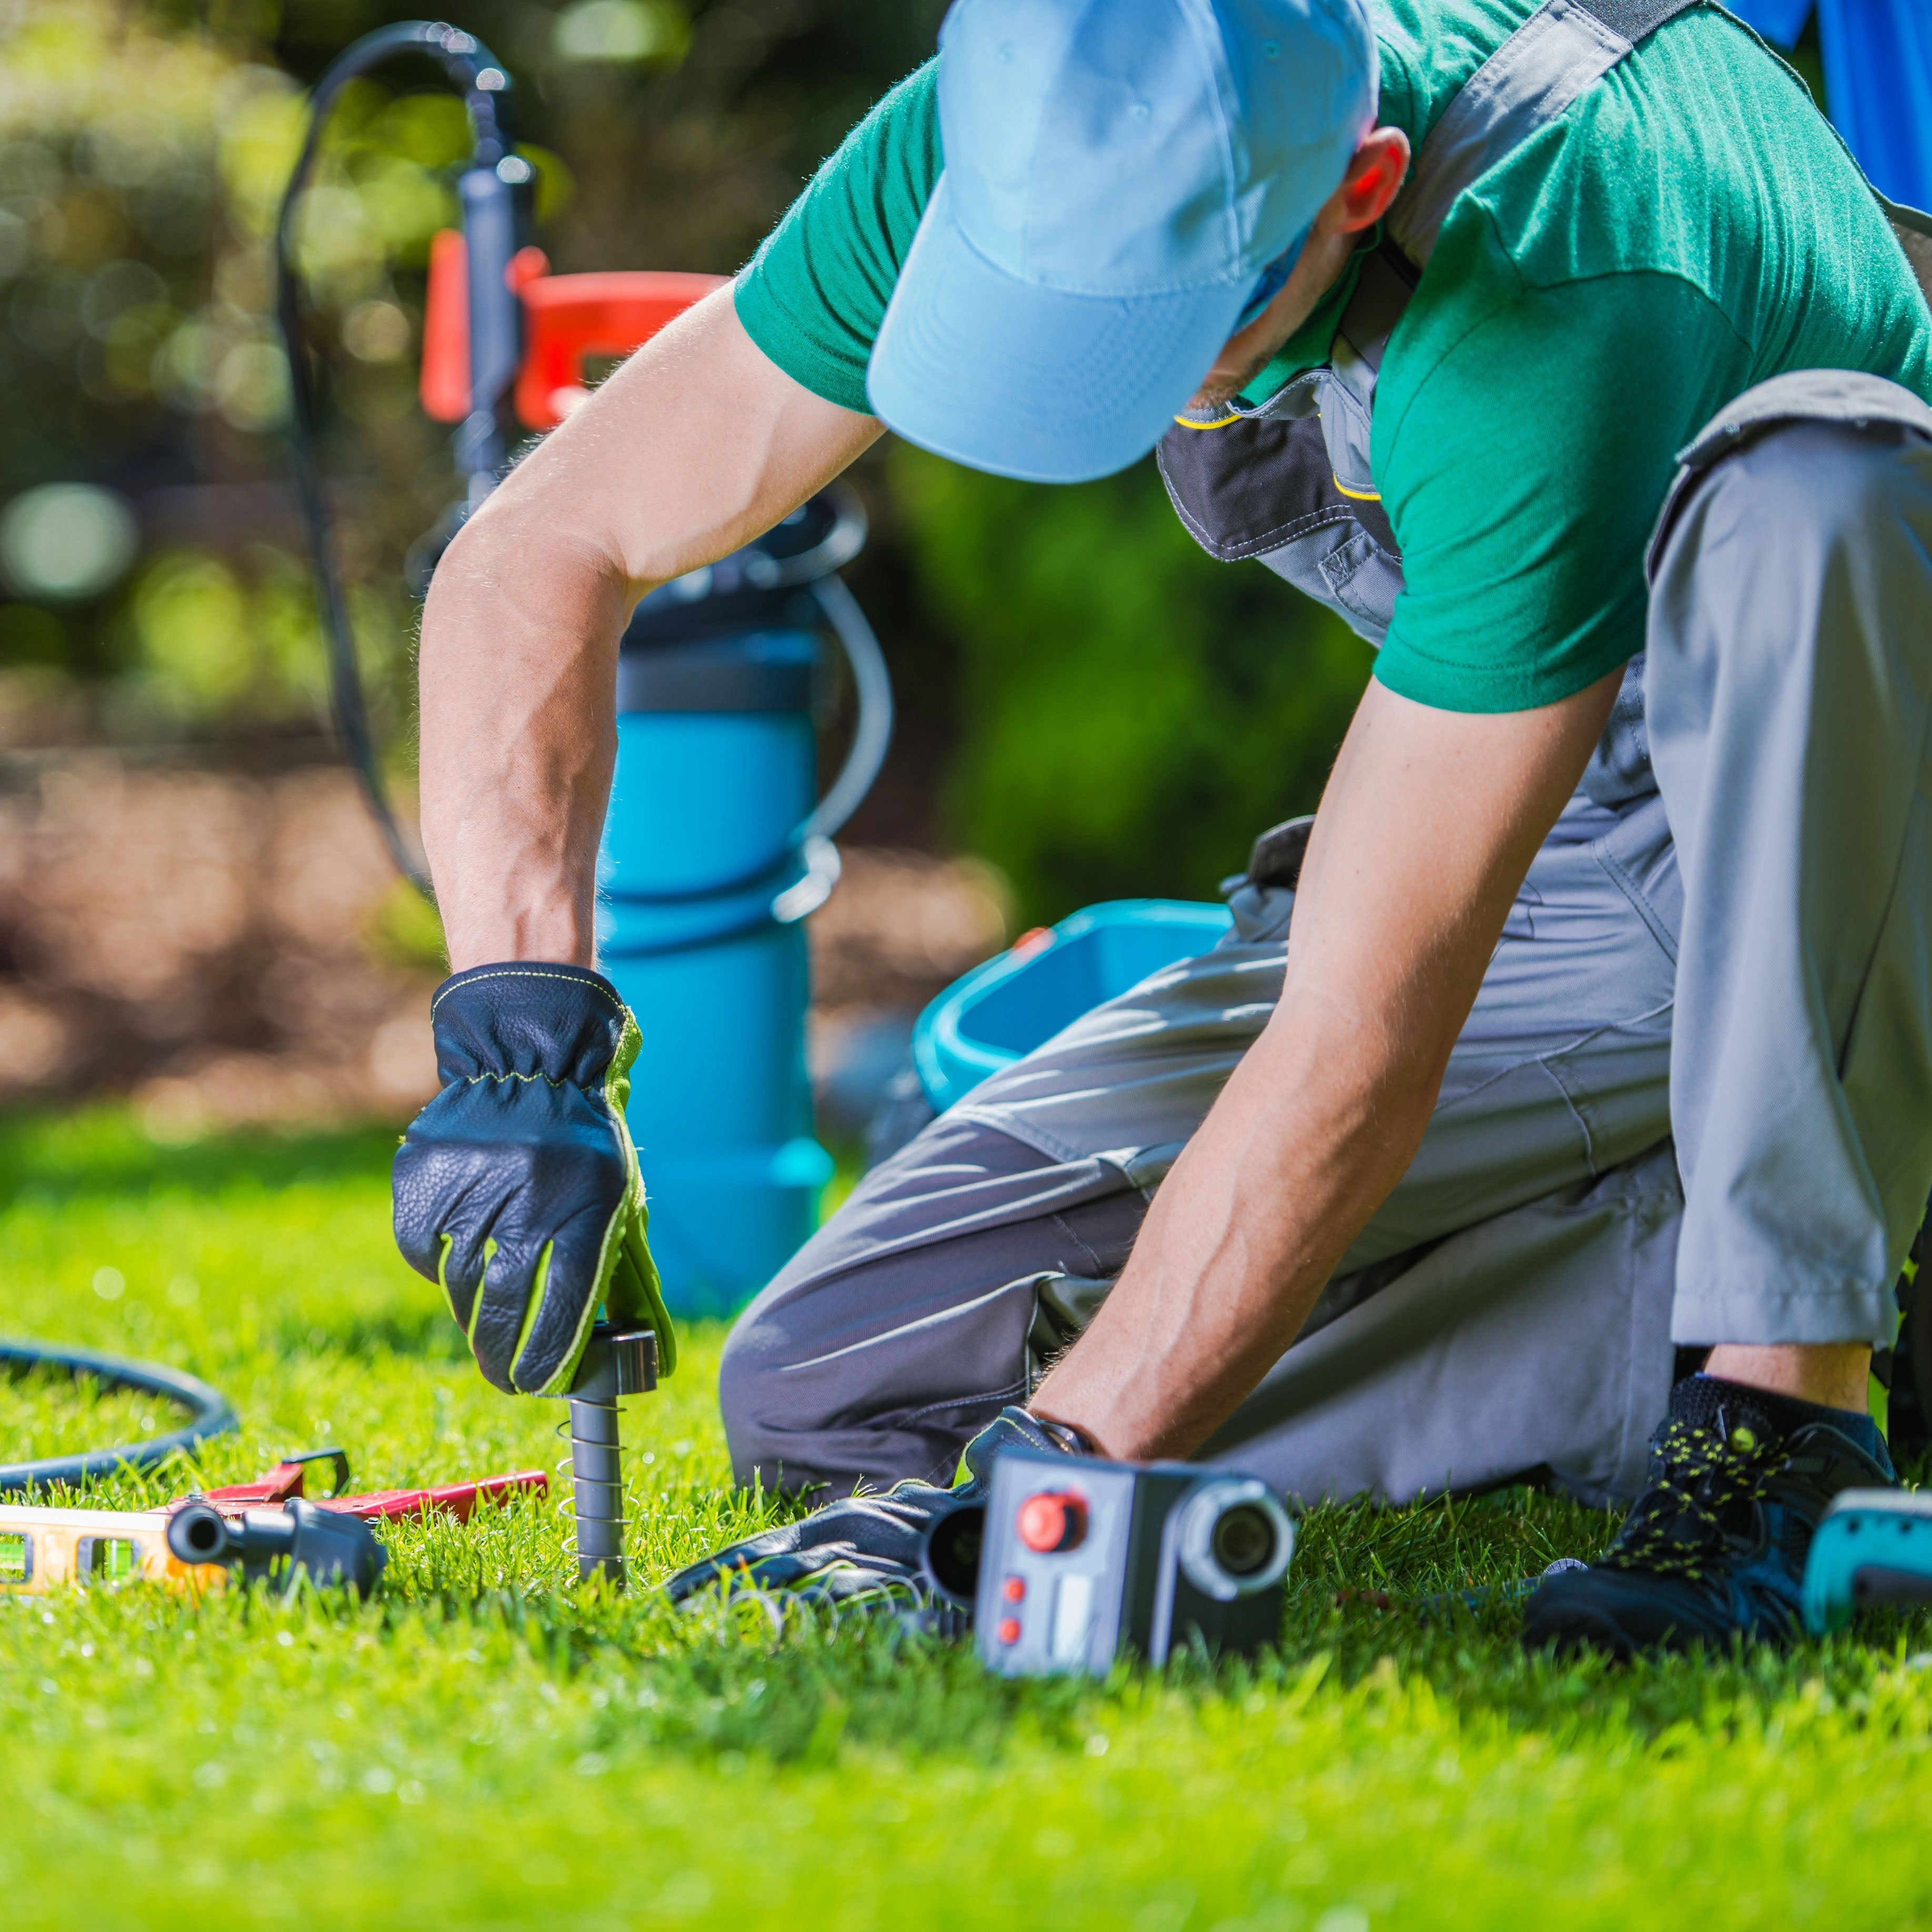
{"points": [[1691, 226]]}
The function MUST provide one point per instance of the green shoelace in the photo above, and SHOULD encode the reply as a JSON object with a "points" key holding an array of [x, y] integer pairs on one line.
{"points": [[1678, 1527]]}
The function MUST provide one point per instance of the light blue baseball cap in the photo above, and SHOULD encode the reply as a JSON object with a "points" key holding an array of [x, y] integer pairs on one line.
{"points": [[1120, 175]]}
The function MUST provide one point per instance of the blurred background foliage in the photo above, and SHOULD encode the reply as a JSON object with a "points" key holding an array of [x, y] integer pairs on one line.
{"points": [[1130, 713], [1087, 700]]}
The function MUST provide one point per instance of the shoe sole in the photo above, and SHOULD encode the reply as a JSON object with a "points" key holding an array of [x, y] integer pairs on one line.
{"points": [[1578, 1629], [1581, 1630]]}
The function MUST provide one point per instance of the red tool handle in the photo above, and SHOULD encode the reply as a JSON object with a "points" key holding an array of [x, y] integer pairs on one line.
{"points": [[457, 1499], [444, 387], [284, 1481]]}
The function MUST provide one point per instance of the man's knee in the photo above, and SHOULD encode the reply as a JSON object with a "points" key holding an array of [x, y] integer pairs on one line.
{"points": [[796, 1365], [1831, 485], [1811, 510], [761, 1403], [1789, 605], [868, 1360]]}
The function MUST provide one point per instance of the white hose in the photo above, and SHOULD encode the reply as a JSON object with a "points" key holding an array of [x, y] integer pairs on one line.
{"points": [[872, 735]]}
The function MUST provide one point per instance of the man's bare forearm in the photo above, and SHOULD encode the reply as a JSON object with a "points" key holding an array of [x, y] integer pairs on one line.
{"points": [[519, 741], [1261, 1204], [696, 445], [1398, 912]]}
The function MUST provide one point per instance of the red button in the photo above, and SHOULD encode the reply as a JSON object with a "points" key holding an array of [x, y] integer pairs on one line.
{"points": [[1009, 1630], [1055, 1520], [1014, 1589]]}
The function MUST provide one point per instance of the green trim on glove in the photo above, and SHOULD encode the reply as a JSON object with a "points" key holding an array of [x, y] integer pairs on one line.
{"points": [[628, 1287]]}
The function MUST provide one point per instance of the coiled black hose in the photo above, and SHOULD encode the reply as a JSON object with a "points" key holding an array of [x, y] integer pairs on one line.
{"points": [[208, 1411]]}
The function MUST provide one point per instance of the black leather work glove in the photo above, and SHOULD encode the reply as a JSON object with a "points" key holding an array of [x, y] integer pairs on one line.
{"points": [[517, 1188], [866, 1548]]}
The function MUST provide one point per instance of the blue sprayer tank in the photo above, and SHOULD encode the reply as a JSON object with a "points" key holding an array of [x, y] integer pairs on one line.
{"points": [[714, 852]]}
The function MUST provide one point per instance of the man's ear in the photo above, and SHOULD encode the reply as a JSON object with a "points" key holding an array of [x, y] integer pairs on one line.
{"points": [[1375, 177]]}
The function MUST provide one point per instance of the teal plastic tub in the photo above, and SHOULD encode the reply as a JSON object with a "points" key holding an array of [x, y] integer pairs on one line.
{"points": [[1000, 1012]]}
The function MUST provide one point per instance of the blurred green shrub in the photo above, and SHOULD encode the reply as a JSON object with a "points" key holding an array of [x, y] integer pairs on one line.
{"points": [[237, 639], [405, 931], [135, 185], [1131, 712], [622, 32], [144, 149]]}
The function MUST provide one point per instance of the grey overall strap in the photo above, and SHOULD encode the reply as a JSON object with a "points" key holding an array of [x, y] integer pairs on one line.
{"points": [[1560, 49], [1913, 227]]}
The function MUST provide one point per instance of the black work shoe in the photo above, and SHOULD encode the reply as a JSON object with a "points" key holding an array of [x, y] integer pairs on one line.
{"points": [[871, 1549], [1715, 1548]]}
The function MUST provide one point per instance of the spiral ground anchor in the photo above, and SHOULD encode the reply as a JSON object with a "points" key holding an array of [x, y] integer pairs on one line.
{"points": [[613, 1365]]}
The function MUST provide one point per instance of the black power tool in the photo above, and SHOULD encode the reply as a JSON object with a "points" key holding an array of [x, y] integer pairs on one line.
{"points": [[1081, 1559], [277, 1545]]}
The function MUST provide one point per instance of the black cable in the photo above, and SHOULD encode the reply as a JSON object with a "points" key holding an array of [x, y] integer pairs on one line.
{"points": [[209, 1414], [485, 87]]}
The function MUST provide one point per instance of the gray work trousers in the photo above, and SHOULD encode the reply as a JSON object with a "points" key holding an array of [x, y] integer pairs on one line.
{"points": [[1692, 1102]]}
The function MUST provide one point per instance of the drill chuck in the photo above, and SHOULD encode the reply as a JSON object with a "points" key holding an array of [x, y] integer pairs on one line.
{"points": [[301, 1537]]}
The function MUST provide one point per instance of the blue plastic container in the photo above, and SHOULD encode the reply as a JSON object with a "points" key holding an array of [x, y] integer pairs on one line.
{"points": [[703, 880], [720, 1106], [1001, 1011]]}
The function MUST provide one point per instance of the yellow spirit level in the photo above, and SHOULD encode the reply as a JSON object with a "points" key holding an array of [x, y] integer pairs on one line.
{"points": [[43, 1549]]}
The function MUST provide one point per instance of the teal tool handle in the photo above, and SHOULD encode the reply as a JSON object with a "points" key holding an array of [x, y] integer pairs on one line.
{"points": [[1872, 1547]]}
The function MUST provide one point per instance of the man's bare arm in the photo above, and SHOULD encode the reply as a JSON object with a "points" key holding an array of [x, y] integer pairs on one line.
{"points": [[697, 444], [1426, 828]]}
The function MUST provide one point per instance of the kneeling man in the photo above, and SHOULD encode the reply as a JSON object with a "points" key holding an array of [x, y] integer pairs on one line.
{"points": [[1565, 352]]}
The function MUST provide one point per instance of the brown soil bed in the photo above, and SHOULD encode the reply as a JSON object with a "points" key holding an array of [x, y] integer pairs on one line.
{"points": [[226, 949]]}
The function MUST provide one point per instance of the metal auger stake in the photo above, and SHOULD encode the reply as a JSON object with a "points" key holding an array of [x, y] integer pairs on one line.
{"points": [[613, 1366]]}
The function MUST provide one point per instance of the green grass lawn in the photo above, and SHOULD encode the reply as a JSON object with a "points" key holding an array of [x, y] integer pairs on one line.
{"points": [[486, 1745]]}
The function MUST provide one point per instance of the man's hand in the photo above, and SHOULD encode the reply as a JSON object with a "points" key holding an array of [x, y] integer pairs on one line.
{"points": [[517, 1187], [1426, 828]]}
